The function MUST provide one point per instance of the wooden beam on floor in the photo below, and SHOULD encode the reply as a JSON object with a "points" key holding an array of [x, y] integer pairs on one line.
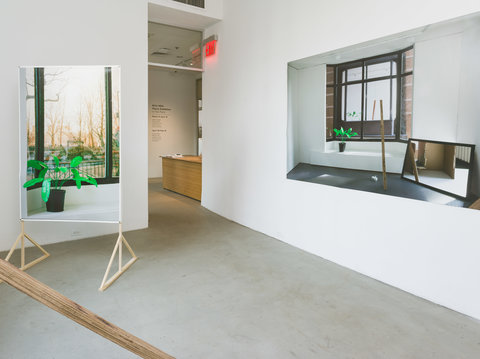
{"points": [[68, 308]]}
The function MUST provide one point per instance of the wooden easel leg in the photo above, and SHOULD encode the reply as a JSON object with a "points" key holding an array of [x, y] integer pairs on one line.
{"points": [[121, 269], [21, 238]]}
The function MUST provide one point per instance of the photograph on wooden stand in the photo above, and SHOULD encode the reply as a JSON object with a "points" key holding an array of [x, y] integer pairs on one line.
{"points": [[70, 153]]}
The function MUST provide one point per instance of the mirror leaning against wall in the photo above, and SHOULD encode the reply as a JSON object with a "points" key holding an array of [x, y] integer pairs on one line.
{"points": [[420, 84], [70, 143]]}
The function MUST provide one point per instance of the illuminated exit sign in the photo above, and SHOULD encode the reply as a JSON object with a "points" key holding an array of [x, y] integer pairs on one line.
{"points": [[210, 45], [210, 48]]}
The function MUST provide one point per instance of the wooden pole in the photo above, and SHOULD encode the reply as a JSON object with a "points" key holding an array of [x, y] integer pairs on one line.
{"points": [[56, 301], [382, 131], [373, 112], [411, 157]]}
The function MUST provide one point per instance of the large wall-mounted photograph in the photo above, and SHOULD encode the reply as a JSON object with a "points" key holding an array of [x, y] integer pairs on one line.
{"points": [[70, 143], [414, 94]]}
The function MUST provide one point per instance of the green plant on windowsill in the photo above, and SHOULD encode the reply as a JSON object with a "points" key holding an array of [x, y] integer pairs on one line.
{"points": [[343, 135], [53, 179]]}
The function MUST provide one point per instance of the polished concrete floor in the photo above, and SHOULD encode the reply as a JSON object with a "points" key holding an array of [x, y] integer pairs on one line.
{"points": [[205, 287]]}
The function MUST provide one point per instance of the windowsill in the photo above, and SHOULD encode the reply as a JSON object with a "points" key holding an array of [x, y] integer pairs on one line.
{"points": [[104, 213], [361, 156]]}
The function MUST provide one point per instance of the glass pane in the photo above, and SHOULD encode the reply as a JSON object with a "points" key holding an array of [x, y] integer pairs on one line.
{"points": [[75, 117], [115, 121], [330, 109], [30, 113], [394, 68], [407, 61], [378, 70], [171, 45], [406, 105], [344, 76], [354, 74], [353, 106], [374, 92]]}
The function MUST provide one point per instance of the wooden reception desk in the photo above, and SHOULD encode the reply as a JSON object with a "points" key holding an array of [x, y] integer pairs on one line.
{"points": [[183, 175]]}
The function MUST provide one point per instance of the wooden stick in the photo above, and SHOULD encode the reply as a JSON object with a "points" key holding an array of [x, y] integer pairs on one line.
{"points": [[121, 269], [382, 131], [413, 163], [21, 238], [56, 301], [373, 112]]}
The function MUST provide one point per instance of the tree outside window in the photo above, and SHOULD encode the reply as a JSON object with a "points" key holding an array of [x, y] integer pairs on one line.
{"points": [[75, 111]]}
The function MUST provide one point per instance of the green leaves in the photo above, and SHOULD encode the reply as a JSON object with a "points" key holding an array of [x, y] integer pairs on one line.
{"points": [[76, 161], [43, 173], [342, 133], [38, 165], [32, 182], [91, 180], [58, 175], [46, 189]]}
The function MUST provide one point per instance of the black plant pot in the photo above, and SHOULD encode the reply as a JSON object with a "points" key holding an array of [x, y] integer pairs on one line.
{"points": [[56, 200], [341, 146]]}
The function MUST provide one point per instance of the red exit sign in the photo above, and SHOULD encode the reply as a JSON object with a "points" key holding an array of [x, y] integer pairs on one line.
{"points": [[210, 48]]}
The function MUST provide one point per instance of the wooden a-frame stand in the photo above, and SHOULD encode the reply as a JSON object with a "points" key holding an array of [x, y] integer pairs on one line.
{"points": [[121, 269], [21, 238]]}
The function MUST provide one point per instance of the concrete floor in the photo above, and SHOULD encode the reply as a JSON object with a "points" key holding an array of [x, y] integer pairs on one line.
{"points": [[205, 287]]}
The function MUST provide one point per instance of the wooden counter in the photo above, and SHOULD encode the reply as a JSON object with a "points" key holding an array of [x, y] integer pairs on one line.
{"points": [[183, 175]]}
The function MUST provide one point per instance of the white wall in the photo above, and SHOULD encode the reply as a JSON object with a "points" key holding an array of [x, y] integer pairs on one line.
{"points": [[57, 32], [175, 90], [446, 86], [174, 13], [469, 105], [213, 8], [245, 102], [311, 111], [436, 88]]}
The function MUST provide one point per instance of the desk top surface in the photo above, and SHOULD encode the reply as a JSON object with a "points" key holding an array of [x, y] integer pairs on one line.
{"points": [[195, 159]]}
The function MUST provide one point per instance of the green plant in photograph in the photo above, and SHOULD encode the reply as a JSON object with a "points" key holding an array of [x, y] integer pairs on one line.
{"points": [[55, 178], [344, 134], [353, 116]]}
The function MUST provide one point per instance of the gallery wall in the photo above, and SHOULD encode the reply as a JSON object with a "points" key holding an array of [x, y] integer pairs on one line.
{"points": [[244, 165], [176, 131], [56, 32]]}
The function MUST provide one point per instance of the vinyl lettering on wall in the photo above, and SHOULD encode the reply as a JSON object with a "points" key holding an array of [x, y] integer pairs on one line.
{"points": [[160, 115]]}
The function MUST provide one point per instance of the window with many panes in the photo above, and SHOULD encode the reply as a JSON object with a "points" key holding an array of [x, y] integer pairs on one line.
{"points": [[354, 90], [75, 111]]}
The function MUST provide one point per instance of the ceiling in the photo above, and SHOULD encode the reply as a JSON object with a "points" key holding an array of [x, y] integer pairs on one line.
{"points": [[172, 45]]}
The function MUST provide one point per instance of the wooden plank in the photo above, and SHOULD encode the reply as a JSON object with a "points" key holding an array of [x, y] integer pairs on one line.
{"points": [[56, 301]]}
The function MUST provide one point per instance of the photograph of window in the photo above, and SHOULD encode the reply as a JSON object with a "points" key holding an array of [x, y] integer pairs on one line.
{"points": [[75, 111], [355, 88]]}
